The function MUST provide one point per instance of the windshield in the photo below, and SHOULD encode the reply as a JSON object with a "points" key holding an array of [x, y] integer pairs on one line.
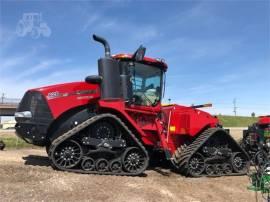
{"points": [[146, 84]]}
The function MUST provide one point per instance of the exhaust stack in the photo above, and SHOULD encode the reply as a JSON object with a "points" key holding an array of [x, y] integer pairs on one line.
{"points": [[104, 43]]}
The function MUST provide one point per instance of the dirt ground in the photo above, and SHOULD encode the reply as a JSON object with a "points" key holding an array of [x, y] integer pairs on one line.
{"points": [[25, 175]]}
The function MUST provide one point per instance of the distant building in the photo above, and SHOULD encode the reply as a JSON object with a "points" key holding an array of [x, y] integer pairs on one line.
{"points": [[8, 124]]}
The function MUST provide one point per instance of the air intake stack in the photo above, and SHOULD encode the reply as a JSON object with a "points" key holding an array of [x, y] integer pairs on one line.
{"points": [[108, 70]]}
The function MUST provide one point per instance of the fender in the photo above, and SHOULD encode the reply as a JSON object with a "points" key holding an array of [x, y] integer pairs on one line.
{"points": [[69, 120]]}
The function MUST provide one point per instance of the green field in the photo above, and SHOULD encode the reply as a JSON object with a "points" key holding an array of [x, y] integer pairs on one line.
{"points": [[14, 142], [236, 121]]}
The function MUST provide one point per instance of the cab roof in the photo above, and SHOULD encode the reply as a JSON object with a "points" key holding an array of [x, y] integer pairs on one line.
{"points": [[147, 60]]}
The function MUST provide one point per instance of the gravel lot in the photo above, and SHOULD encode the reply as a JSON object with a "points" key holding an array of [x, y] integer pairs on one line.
{"points": [[25, 175]]}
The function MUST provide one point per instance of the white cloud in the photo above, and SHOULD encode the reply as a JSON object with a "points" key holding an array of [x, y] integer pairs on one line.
{"points": [[43, 65], [90, 21], [16, 88]]}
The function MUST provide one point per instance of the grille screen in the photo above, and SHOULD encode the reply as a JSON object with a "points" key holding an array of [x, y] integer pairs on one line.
{"points": [[35, 102]]}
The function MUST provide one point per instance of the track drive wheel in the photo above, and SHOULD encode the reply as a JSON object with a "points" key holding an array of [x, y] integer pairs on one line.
{"points": [[67, 155], [103, 130], [134, 160]]}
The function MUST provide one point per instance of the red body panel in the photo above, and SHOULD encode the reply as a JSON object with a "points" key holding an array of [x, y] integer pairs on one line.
{"points": [[64, 97], [188, 120], [184, 123], [264, 120]]}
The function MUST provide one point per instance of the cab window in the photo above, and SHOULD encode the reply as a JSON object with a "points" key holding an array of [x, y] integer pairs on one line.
{"points": [[146, 84]]}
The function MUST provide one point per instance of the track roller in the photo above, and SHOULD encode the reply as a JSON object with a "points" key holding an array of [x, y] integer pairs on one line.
{"points": [[116, 166], [102, 165], [88, 164]]}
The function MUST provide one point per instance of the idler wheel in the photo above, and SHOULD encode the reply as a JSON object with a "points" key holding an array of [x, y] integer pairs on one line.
{"points": [[134, 160], [68, 154], [196, 165], [239, 162]]}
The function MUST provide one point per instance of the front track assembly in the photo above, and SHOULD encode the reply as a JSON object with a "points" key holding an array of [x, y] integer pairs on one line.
{"points": [[110, 156], [213, 153]]}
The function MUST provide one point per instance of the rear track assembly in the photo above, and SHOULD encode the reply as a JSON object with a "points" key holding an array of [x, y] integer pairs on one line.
{"points": [[197, 159]]}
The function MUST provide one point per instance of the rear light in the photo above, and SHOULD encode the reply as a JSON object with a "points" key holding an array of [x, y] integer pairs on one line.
{"points": [[172, 129]]}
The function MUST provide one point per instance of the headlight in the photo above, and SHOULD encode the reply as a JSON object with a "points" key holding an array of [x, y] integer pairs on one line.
{"points": [[25, 114]]}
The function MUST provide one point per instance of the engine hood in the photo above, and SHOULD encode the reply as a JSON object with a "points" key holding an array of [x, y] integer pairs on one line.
{"points": [[62, 97]]}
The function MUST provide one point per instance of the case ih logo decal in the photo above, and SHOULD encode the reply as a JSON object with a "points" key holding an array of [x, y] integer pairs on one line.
{"points": [[56, 94]]}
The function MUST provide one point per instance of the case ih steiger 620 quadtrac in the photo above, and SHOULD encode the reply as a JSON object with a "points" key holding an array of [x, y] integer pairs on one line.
{"points": [[256, 140], [113, 122]]}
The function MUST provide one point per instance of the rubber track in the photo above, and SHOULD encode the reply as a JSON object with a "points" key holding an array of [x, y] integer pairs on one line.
{"points": [[181, 158], [82, 126]]}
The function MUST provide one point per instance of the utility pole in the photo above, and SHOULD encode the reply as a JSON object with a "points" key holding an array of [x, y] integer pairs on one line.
{"points": [[234, 106], [2, 98]]}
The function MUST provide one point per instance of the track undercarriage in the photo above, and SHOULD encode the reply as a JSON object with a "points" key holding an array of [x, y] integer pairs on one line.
{"points": [[213, 153], [104, 145], [100, 145]]}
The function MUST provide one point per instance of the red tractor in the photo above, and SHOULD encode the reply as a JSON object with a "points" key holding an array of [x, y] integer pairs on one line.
{"points": [[256, 140], [112, 123]]}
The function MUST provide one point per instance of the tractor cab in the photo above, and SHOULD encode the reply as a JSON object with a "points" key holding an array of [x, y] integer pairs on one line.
{"points": [[145, 79], [134, 78]]}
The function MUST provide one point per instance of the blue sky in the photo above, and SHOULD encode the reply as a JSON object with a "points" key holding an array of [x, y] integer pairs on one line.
{"points": [[216, 50]]}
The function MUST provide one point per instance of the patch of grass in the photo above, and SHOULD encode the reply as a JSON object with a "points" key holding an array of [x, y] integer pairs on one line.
{"points": [[16, 143], [237, 121]]}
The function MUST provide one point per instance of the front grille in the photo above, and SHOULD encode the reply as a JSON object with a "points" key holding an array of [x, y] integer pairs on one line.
{"points": [[35, 102]]}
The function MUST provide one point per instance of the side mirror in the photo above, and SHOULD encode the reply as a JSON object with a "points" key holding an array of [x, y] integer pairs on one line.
{"points": [[139, 54]]}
